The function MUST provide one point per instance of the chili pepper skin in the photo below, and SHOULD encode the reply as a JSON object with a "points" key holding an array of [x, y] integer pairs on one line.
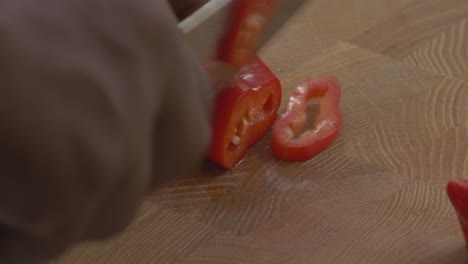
{"points": [[247, 23], [286, 143], [457, 191], [244, 113]]}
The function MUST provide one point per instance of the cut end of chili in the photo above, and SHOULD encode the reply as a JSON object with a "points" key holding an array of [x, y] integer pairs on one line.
{"points": [[288, 142], [243, 113]]}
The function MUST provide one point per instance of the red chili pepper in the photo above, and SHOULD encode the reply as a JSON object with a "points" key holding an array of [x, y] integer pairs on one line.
{"points": [[243, 113], [287, 144], [457, 191], [242, 35]]}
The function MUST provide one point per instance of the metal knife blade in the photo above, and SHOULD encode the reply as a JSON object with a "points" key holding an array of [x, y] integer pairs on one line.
{"points": [[205, 27]]}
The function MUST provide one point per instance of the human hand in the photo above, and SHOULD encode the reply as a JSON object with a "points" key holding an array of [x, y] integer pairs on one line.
{"points": [[100, 101]]}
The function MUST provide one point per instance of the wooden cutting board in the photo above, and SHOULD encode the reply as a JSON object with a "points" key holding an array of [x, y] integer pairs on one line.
{"points": [[376, 196]]}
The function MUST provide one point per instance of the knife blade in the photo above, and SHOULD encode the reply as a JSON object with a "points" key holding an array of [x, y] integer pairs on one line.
{"points": [[204, 29]]}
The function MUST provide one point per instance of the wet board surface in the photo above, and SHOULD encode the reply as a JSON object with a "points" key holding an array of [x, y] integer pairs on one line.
{"points": [[376, 196]]}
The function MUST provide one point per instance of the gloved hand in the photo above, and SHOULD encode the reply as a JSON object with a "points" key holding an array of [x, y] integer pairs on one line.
{"points": [[100, 101]]}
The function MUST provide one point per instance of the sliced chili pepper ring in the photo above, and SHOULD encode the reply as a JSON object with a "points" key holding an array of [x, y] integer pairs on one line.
{"points": [[287, 143]]}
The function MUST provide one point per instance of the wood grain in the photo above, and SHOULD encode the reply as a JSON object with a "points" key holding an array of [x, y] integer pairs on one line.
{"points": [[376, 196]]}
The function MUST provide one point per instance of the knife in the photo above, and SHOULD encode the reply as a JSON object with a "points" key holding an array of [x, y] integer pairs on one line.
{"points": [[204, 29]]}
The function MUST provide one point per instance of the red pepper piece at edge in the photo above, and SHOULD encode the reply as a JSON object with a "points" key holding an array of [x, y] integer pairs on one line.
{"points": [[244, 113], [289, 146], [247, 24], [457, 191]]}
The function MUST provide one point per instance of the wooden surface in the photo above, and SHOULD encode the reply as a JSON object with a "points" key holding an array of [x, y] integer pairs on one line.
{"points": [[376, 196]]}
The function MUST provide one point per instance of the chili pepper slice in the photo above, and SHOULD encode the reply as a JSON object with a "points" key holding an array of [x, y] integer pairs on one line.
{"points": [[457, 191], [244, 113], [249, 19], [287, 144]]}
